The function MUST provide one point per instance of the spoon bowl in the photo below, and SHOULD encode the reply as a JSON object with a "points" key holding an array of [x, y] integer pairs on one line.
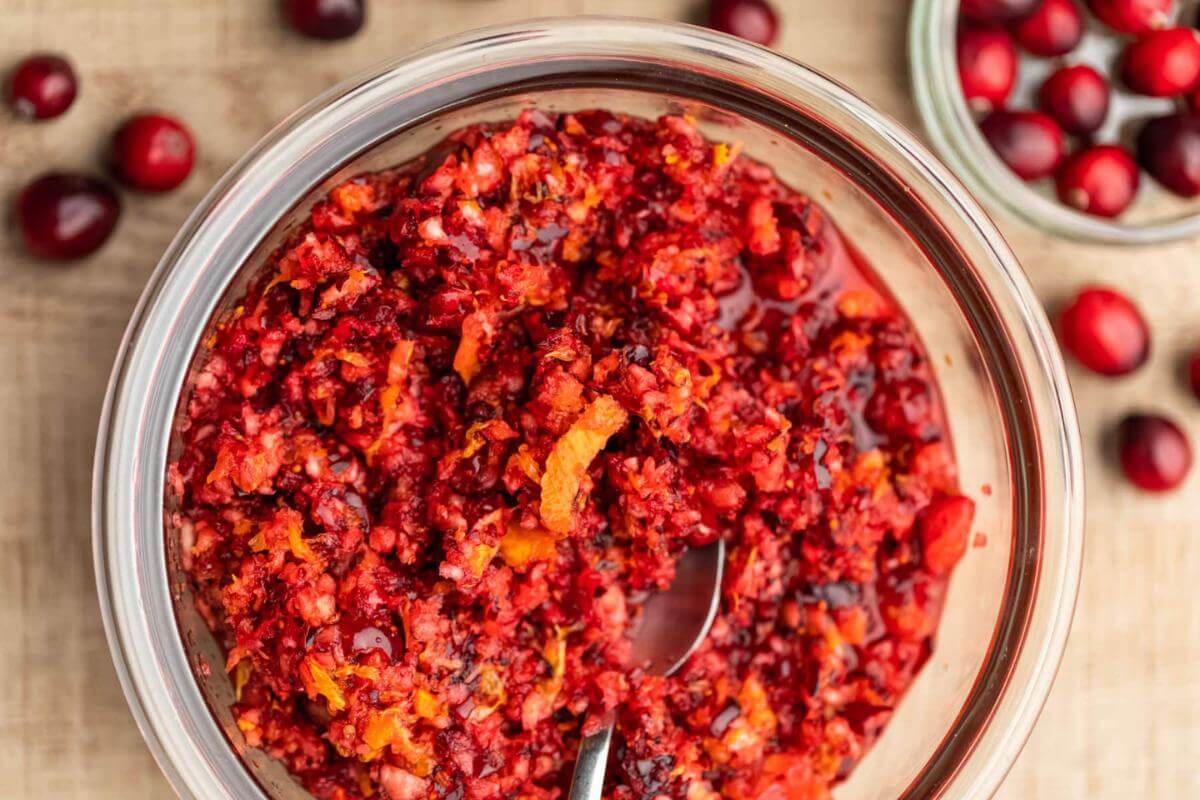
{"points": [[671, 627], [674, 622]]}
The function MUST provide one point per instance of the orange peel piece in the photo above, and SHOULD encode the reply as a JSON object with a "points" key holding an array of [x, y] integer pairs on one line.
{"points": [[286, 526], [476, 333], [572, 455], [390, 729], [382, 729], [397, 409], [241, 676], [519, 546], [319, 683], [426, 705]]}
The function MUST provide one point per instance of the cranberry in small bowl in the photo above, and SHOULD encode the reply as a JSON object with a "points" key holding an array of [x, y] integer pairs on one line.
{"points": [[996, 415], [1107, 73]]}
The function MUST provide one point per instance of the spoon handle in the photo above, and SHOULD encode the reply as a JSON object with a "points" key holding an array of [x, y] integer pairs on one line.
{"points": [[588, 781]]}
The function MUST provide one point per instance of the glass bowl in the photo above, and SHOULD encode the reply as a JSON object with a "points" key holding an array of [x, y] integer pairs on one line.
{"points": [[1156, 215], [1009, 405]]}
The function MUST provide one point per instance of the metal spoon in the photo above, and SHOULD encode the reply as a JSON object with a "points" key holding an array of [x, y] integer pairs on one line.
{"points": [[673, 624]]}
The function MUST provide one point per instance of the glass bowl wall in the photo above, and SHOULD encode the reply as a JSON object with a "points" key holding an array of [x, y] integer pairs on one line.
{"points": [[1010, 412]]}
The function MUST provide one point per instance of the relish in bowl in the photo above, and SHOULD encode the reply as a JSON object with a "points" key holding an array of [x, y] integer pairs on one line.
{"points": [[473, 410]]}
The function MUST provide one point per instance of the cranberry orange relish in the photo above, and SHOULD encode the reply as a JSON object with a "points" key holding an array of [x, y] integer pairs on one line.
{"points": [[476, 408]]}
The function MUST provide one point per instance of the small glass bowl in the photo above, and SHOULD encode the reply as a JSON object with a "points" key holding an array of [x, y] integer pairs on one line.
{"points": [[1156, 215], [1007, 399]]}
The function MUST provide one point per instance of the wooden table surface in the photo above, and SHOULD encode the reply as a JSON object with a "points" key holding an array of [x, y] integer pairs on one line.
{"points": [[1123, 721]]}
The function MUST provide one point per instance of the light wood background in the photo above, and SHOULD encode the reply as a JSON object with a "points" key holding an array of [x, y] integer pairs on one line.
{"points": [[1123, 721]]}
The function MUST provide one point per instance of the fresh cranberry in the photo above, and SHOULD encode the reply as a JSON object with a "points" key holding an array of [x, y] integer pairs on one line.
{"points": [[64, 216], [1133, 16], [753, 20], [152, 152], [42, 86], [1054, 29], [1163, 63], [1029, 142], [326, 19], [1100, 180], [1077, 97], [996, 11], [1104, 331], [1155, 454], [1169, 149], [987, 66]]}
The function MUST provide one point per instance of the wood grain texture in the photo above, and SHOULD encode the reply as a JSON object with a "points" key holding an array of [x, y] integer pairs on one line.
{"points": [[1124, 718]]}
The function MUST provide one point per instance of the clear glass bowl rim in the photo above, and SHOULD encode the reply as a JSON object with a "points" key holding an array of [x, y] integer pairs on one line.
{"points": [[135, 596], [956, 138]]}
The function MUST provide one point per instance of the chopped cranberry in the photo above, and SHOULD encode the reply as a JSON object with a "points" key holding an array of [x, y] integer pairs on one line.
{"points": [[987, 66], [1169, 149], [1155, 454], [42, 86], [1054, 29], [1163, 63], [1104, 331], [909, 602], [1100, 180], [326, 19], [943, 528], [996, 11], [753, 20], [1029, 142], [1077, 97], [152, 152], [1133, 16], [64, 216]]}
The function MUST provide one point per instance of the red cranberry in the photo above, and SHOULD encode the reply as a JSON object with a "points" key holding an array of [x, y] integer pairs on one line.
{"points": [[1029, 142], [1169, 149], [326, 19], [152, 152], [64, 216], [987, 66], [943, 527], [1155, 454], [753, 20], [1054, 29], [1100, 180], [1163, 63], [42, 86], [996, 11], [1133, 16], [1104, 331], [1077, 97]]}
